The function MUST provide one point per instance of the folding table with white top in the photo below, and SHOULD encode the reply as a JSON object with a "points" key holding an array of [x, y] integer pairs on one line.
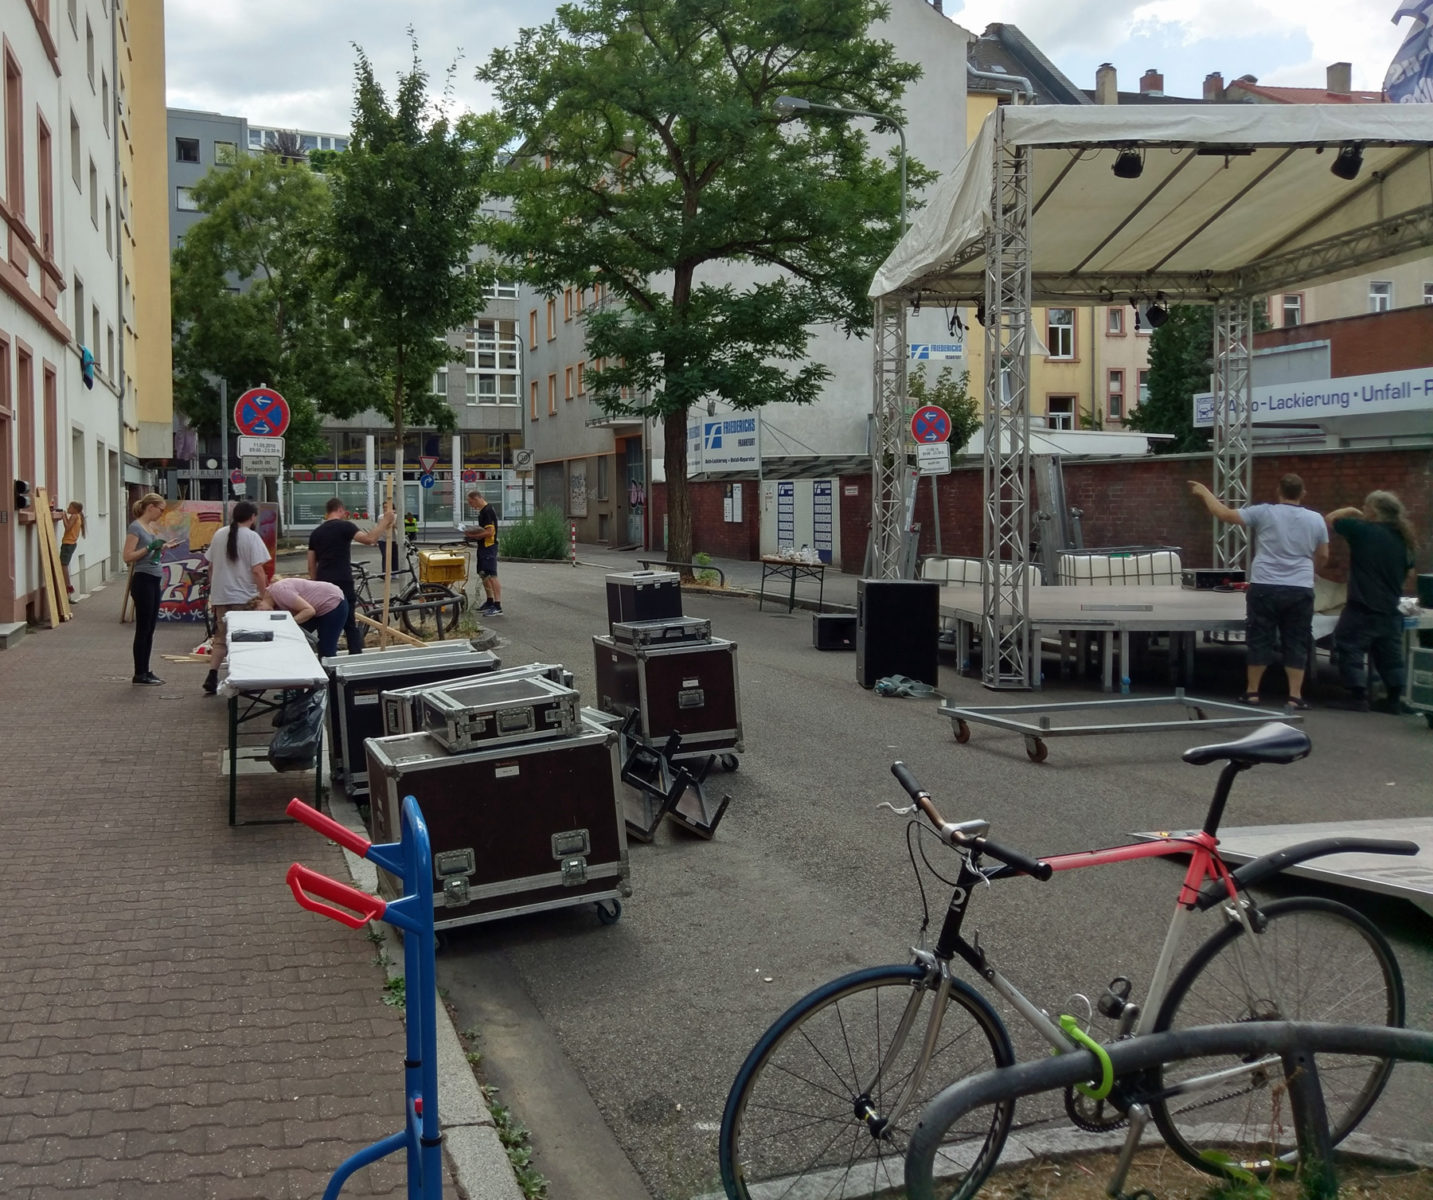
{"points": [[283, 661]]}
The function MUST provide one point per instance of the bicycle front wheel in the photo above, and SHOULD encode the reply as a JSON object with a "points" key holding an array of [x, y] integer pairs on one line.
{"points": [[1316, 960], [430, 622], [805, 1116]]}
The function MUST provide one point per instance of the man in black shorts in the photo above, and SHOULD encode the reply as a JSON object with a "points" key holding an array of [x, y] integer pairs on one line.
{"points": [[330, 559], [483, 534]]}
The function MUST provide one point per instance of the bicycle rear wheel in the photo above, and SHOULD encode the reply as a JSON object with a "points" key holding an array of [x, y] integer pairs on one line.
{"points": [[429, 622], [791, 1127], [1316, 960]]}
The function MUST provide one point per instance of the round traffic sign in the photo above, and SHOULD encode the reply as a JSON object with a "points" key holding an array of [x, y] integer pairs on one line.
{"points": [[261, 412], [236, 477], [930, 424], [470, 476], [426, 479]]}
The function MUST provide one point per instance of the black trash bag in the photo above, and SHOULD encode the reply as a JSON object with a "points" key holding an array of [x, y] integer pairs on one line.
{"points": [[296, 745], [293, 703]]}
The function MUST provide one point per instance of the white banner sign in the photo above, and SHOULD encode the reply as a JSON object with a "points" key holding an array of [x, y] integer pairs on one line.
{"points": [[933, 459], [1323, 399], [723, 444], [924, 351], [262, 465], [272, 447]]}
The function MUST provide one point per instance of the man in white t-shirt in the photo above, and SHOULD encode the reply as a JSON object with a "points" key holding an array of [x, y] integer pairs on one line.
{"points": [[1291, 543], [238, 577]]}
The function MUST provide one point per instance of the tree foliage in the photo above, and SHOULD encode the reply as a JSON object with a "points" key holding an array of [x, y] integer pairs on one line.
{"points": [[405, 208], [952, 396], [1181, 357], [652, 164], [263, 228]]}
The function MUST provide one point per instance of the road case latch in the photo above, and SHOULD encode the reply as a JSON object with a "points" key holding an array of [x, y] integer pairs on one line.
{"points": [[574, 871], [571, 842]]}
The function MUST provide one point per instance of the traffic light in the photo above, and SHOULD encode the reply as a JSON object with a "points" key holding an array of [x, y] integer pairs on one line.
{"points": [[87, 366], [22, 496]]}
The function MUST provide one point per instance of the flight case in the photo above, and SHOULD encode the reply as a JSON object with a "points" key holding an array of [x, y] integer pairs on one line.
{"points": [[515, 828], [526, 708], [643, 596], [690, 688], [400, 706], [356, 683]]}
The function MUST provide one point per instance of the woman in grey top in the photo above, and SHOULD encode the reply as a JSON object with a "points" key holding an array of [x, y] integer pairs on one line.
{"points": [[143, 546]]}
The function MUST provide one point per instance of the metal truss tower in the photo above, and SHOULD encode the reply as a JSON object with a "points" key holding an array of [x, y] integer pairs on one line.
{"points": [[888, 458], [1005, 583], [1233, 443]]}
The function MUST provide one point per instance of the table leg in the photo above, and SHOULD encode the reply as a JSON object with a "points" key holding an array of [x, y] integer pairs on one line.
{"points": [[791, 601], [821, 593], [761, 594], [233, 755], [1124, 662], [318, 772], [1107, 646]]}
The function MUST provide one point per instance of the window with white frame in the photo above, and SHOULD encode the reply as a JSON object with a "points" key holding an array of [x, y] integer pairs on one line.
{"points": [[1293, 309], [492, 362], [1060, 327], [1380, 295], [1115, 320], [1428, 293], [440, 381], [1060, 412], [1144, 387], [498, 290], [1115, 398]]}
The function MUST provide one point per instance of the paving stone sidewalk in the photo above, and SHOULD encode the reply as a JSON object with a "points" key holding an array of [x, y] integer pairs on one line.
{"points": [[174, 1025]]}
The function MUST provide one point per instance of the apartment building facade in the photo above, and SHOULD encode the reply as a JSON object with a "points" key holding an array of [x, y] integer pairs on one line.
{"points": [[84, 320]]}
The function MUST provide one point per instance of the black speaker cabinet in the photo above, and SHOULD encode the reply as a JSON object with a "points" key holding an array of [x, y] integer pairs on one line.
{"points": [[897, 630], [643, 596], [833, 631]]}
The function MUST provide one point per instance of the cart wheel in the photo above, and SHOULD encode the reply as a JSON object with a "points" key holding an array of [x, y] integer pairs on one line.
{"points": [[1036, 749], [609, 914], [1428, 716], [728, 762], [962, 731], [1199, 713]]}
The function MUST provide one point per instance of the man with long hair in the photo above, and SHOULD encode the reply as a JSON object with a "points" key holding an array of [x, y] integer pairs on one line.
{"points": [[1380, 557]]}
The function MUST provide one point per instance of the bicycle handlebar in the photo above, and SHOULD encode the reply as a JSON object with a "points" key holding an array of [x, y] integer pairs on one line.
{"points": [[953, 836]]}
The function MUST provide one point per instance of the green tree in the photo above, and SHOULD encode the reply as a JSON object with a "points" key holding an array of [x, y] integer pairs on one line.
{"points": [[252, 301], [950, 395], [1181, 356], [651, 164], [405, 208]]}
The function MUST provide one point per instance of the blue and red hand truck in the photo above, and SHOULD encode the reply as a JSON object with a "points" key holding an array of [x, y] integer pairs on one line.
{"points": [[410, 859]]}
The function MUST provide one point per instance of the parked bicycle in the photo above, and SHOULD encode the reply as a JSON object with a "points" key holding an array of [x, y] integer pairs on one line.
{"points": [[824, 1103], [425, 605]]}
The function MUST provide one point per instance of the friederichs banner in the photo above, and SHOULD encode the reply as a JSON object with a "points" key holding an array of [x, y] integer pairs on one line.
{"points": [[1410, 76]]}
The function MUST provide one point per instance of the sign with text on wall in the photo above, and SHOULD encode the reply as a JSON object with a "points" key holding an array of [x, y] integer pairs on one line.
{"points": [[725, 443], [1324, 399]]}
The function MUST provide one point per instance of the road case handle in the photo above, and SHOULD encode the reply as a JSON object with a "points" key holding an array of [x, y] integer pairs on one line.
{"points": [[302, 880], [330, 828]]}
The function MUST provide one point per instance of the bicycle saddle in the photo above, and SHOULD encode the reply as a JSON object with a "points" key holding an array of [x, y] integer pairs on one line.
{"points": [[1271, 743]]}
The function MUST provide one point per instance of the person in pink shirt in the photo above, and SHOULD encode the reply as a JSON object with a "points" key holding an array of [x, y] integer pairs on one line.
{"points": [[315, 605]]}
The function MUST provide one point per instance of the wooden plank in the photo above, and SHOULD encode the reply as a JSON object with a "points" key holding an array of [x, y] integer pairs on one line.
{"points": [[52, 574], [389, 631]]}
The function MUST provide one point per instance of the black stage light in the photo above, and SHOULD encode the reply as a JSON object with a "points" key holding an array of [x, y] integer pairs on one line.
{"points": [[1157, 313], [1128, 165], [1348, 163]]}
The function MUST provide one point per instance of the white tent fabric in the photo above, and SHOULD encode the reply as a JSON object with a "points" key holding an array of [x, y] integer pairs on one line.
{"points": [[1233, 199]]}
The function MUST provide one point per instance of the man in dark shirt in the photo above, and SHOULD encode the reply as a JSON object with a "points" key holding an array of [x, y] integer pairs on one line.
{"points": [[330, 558], [483, 534], [1380, 544]]}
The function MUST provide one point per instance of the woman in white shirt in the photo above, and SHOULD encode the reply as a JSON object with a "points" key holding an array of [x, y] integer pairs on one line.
{"points": [[238, 577]]}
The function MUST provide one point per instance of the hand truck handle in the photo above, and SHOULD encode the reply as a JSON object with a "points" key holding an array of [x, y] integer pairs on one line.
{"points": [[303, 880], [330, 828]]}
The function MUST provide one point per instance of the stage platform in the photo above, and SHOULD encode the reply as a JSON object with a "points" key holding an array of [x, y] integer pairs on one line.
{"points": [[1112, 614]]}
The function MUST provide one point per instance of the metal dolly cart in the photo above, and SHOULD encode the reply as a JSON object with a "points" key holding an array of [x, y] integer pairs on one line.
{"points": [[409, 859], [1037, 732]]}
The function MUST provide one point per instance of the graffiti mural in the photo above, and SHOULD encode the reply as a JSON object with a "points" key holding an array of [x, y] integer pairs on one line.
{"points": [[183, 589]]}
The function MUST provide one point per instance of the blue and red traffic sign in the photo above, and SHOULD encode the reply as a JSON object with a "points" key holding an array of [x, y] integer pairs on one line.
{"points": [[930, 424], [261, 412]]}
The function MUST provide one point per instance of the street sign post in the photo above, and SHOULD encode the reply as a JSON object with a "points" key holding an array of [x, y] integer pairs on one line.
{"points": [[930, 424], [933, 458], [425, 480], [236, 477], [261, 412], [427, 462]]}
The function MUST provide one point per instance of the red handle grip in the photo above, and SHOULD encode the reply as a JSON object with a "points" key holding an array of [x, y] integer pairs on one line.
{"points": [[303, 880], [330, 828]]}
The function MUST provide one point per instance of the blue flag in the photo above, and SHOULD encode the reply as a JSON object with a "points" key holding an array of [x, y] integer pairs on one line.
{"points": [[1410, 76]]}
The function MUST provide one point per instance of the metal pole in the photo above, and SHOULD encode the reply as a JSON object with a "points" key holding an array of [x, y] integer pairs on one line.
{"points": [[224, 448]]}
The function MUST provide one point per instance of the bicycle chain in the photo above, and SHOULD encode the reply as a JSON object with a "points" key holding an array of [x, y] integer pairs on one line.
{"points": [[1074, 1102]]}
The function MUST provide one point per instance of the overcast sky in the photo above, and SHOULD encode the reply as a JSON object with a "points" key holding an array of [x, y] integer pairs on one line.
{"points": [[289, 63]]}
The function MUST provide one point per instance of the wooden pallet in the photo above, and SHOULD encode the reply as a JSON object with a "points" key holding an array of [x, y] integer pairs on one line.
{"points": [[52, 574]]}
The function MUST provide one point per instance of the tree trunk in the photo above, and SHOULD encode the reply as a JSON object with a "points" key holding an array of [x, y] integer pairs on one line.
{"points": [[679, 501]]}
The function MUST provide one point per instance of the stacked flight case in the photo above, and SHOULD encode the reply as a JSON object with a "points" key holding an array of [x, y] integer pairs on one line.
{"points": [[356, 685], [676, 686], [519, 790]]}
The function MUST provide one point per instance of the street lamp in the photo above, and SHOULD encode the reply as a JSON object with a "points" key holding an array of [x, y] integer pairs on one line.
{"points": [[787, 107]]}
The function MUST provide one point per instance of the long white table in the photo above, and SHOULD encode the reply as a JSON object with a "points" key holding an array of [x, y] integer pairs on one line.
{"points": [[253, 668]]}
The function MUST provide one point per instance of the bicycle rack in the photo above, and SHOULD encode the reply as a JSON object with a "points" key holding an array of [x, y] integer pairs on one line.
{"points": [[1296, 1044], [410, 859], [662, 781]]}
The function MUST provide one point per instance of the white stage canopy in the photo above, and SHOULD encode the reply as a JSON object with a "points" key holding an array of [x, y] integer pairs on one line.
{"points": [[1233, 200]]}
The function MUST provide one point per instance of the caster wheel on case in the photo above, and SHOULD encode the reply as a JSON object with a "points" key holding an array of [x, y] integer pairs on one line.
{"points": [[728, 762], [609, 913], [1036, 750], [962, 731]]}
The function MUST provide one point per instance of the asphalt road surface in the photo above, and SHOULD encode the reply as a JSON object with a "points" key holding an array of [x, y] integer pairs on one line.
{"points": [[617, 1045]]}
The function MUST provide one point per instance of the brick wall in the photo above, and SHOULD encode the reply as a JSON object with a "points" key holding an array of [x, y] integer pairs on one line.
{"points": [[711, 534], [1398, 340]]}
